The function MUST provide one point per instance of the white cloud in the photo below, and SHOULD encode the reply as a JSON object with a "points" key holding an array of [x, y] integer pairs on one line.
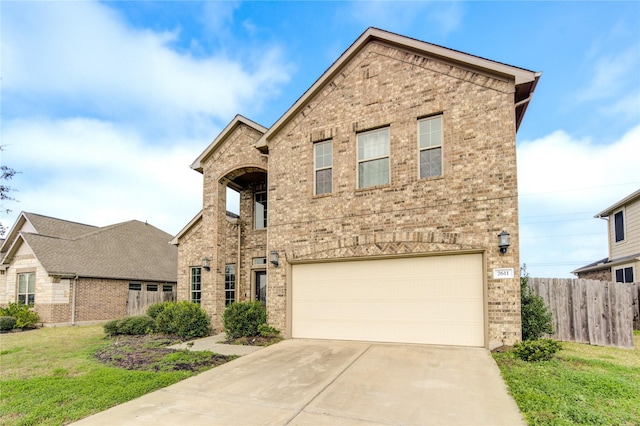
{"points": [[83, 54], [563, 183], [94, 172], [611, 74]]}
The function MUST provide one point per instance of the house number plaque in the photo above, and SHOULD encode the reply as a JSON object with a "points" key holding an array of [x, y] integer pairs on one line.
{"points": [[503, 273]]}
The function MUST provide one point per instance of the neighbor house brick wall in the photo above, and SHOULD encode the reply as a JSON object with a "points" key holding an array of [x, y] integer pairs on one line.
{"points": [[101, 299], [599, 275], [463, 210]]}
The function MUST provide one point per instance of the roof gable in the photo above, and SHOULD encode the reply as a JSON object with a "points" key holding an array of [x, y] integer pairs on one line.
{"points": [[238, 120], [524, 80], [44, 225], [130, 250]]}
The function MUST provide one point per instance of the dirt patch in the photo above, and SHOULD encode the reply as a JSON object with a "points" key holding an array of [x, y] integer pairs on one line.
{"points": [[150, 353], [253, 341], [501, 349]]}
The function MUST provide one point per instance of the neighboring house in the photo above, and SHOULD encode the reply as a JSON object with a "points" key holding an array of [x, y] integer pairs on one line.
{"points": [[75, 273], [623, 231], [371, 209]]}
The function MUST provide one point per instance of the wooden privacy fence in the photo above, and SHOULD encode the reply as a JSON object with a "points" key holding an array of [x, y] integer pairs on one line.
{"points": [[138, 300], [589, 311]]}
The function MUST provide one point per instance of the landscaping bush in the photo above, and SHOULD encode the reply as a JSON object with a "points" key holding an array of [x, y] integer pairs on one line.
{"points": [[536, 350], [133, 326], [242, 319], [154, 310], [111, 327], [185, 319], [265, 330], [536, 318], [25, 317], [137, 325], [7, 323]]}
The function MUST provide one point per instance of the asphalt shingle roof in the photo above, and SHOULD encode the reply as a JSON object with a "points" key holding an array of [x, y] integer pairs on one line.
{"points": [[130, 250]]}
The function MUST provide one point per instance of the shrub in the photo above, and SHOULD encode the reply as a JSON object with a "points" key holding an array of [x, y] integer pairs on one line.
{"points": [[536, 318], [111, 327], [154, 310], [185, 319], [242, 319], [536, 350], [7, 323], [25, 317], [137, 325], [265, 330], [133, 326]]}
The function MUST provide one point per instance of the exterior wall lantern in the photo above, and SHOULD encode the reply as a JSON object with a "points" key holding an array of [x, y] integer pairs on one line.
{"points": [[206, 263], [273, 258], [503, 241]]}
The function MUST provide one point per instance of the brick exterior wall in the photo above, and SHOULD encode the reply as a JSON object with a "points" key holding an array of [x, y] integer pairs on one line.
{"points": [[463, 210], [599, 275]]}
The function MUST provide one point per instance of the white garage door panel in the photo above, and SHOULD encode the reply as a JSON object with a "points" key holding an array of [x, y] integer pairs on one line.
{"points": [[436, 300]]}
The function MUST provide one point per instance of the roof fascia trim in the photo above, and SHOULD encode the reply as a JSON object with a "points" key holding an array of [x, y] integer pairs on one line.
{"points": [[521, 75], [237, 120], [191, 224], [629, 198], [11, 236]]}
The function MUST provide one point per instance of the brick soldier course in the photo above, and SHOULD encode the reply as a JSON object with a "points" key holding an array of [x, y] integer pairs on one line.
{"points": [[382, 81]]}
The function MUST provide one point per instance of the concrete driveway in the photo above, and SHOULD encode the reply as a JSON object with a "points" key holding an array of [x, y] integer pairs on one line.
{"points": [[313, 382]]}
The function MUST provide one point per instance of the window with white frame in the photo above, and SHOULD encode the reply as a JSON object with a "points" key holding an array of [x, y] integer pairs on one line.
{"points": [[323, 166], [229, 284], [373, 158], [196, 284], [624, 274], [27, 288], [618, 225], [260, 210], [430, 145]]}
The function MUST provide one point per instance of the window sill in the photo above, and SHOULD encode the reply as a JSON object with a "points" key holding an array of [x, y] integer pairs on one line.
{"points": [[373, 188], [430, 178], [316, 196]]}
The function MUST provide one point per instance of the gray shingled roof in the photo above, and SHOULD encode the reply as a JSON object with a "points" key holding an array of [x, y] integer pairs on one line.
{"points": [[130, 250], [57, 227]]}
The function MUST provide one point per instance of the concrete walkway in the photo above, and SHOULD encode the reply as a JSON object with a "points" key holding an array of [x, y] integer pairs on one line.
{"points": [[212, 343], [313, 382]]}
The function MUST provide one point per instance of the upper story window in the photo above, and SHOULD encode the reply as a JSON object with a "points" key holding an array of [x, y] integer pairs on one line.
{"points": [[260, 209], [323, 166], [27, 288], [373, 158], [430, 144], [196, 284], [618, 224]]}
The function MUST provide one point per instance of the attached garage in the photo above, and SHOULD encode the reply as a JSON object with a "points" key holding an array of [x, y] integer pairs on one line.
{"points": [[431, 300]]}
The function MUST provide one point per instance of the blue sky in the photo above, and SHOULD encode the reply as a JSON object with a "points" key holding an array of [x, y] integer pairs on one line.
{"points": [[105, 104]]}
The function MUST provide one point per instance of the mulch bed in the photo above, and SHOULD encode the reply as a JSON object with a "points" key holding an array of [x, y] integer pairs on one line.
{"points": [[149, 352]]}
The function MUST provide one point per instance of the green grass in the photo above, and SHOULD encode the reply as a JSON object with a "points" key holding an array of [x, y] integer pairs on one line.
{"points": [[582, 385], [50, 377]]}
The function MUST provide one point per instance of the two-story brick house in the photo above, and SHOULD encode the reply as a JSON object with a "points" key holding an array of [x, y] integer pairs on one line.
{"points": [[371, 209], [623, 234]]}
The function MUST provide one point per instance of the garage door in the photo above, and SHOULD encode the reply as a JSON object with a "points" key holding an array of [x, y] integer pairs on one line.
{"points": [[434, 300]]}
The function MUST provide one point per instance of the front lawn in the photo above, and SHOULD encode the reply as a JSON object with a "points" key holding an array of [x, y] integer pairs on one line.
{"points": [[53, 376], [583, 385]]}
